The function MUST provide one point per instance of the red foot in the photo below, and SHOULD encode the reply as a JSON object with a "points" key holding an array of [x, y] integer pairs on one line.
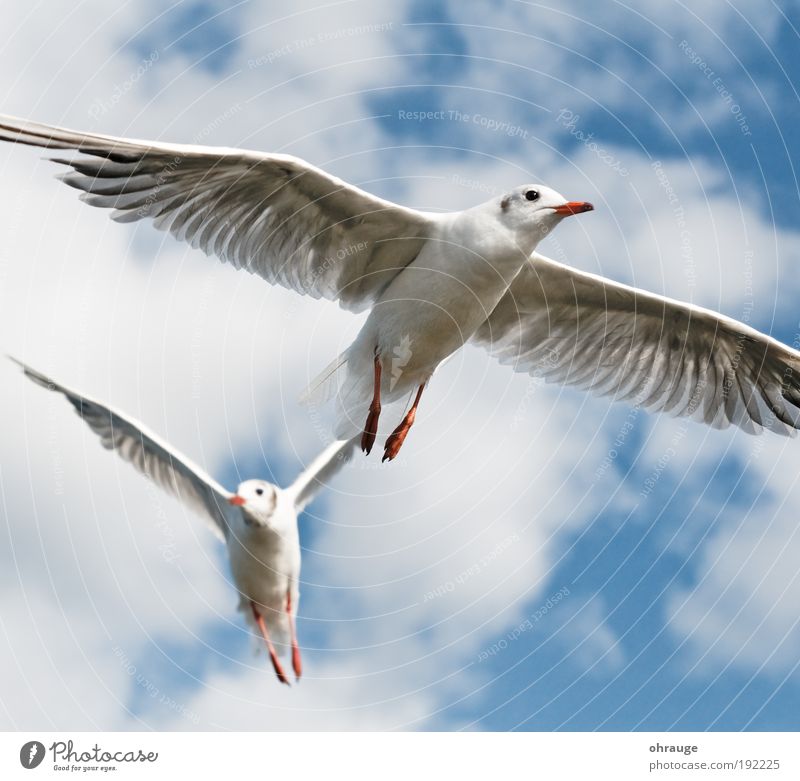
{"points": [[371, 426], [297, 664], [395, 442], [370, 429], [276, 664], [398, 436]]}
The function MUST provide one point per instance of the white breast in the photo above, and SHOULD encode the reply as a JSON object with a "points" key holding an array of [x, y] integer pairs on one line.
{"points": [[265, 564], [435, 305]]}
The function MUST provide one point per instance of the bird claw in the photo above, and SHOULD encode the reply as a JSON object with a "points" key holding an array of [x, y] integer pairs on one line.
{"points": [[394, 443], [370, 429], [398, 436], [279, 671], [276, 663]]}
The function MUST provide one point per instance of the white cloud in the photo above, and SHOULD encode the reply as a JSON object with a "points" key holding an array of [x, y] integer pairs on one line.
{"points": [[214, 360], [742, 609]]}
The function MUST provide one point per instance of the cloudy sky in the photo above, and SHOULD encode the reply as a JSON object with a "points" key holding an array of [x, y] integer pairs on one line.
{"points": [[535, 559]]}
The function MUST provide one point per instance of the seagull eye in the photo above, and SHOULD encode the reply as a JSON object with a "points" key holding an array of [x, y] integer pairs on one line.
{"points": [[259, 491], [532, 195]]}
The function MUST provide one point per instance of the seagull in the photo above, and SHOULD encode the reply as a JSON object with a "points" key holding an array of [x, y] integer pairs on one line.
{"points": [[258, 523], [433, 282]]}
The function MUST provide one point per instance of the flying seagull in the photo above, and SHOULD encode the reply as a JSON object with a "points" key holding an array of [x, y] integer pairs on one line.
{"points": [[433, 282], [258, 523]]}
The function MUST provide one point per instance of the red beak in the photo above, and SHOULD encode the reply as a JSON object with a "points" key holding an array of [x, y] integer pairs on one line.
{"points": [[237, 500], [574, 207]]}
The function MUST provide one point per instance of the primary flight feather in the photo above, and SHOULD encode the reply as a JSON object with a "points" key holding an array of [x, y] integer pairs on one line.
{"points": [[433, 282]]}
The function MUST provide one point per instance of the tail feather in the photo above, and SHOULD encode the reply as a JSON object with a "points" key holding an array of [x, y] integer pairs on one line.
{"points": [[349, 385], [327, 383]]}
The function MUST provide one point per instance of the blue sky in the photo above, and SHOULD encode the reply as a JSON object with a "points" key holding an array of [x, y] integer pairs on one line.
{"points": [[678, 606]]}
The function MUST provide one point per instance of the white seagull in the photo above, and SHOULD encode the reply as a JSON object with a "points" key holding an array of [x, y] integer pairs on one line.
{"points": [[258, 523], [433, 282]]}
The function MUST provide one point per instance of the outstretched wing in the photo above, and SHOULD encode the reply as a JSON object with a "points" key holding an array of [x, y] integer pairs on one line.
{"points": [[320, 471], [272, 215], [168, 469], [567, 326]]}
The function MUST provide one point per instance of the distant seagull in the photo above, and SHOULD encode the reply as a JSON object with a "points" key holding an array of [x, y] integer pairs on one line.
{"points": [[434, 282], [258, 523]]}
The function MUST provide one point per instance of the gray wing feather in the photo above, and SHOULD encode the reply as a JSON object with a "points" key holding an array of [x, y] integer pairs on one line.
{"points": [[166, 467], [320, 471], [272, 215], [567, 326]]}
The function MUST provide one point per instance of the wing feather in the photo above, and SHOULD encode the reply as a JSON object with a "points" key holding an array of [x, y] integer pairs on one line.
{"points": [[320, 471], [148, 454], [583, 330], [273, 215]]}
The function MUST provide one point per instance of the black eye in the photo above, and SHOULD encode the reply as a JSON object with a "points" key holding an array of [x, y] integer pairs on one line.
{"points": [[532, 195], [259, 491]]}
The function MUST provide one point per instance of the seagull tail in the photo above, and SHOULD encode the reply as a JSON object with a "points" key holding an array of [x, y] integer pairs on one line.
{"points": [[350, 385], [327, 383]]}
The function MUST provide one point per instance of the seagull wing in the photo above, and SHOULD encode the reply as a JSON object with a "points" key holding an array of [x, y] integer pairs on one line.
{"points": [[272, 215], [168, 469], [570, 327], [320, 471]]}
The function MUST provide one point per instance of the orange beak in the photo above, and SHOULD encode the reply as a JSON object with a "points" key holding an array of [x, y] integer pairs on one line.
{"points": [[574, 207], [237, 500]]}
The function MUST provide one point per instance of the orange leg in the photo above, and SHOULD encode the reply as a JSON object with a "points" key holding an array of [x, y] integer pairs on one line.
{"points": [[271, 648], [297, 665], [398, 436], [371, 426]]}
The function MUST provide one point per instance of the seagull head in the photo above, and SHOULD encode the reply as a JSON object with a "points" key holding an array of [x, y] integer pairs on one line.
{"points": [[534, 208], [258, 499]]}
